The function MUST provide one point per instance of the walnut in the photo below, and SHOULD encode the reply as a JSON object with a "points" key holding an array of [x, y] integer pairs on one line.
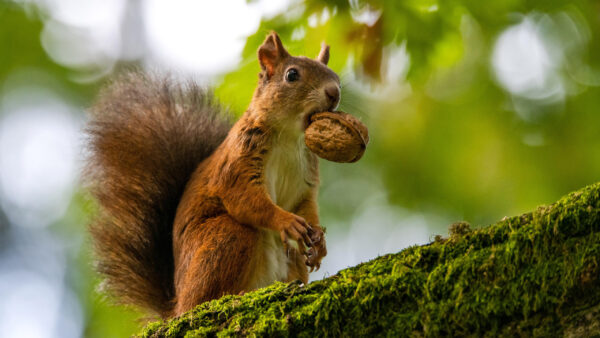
{"points": [[336, 136]]}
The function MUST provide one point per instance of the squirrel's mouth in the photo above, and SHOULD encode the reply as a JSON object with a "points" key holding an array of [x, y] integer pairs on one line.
{"points": [[308, 116]]}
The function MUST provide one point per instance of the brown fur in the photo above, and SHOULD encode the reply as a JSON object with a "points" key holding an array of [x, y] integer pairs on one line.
{"points": [[220, 239]]}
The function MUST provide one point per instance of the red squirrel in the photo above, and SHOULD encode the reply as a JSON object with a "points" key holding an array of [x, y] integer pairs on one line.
{"points": [[192, 209]]}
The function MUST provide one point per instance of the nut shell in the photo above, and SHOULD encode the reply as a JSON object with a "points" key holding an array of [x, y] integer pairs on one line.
{"points": [[336, 136]]}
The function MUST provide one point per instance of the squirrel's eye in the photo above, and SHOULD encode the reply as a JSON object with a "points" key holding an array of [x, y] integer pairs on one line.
{"points": [[292, 75]]}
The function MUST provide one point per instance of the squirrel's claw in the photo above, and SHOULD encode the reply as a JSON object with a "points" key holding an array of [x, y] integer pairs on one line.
{"points": [[317, 251], [296, 228]]}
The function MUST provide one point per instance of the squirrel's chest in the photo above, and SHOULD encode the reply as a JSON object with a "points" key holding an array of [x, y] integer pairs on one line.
{"points": [[287, 173]]}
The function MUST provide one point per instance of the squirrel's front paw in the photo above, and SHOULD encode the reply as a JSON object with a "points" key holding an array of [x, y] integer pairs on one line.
{"points": [[318, 249], [296, 228]]}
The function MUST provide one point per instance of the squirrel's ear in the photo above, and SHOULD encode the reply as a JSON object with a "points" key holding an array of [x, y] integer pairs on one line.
{"points": [[323, 54], [271, 53]]}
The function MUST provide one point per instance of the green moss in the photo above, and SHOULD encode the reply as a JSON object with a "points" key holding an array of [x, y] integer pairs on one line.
{"points": [[534, 274]]}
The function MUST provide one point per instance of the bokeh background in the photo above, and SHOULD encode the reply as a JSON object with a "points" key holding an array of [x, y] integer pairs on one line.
{"points": [[476, 110]]}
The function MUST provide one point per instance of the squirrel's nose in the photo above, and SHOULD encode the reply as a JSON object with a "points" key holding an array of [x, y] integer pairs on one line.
{"points": [[333, 95]]}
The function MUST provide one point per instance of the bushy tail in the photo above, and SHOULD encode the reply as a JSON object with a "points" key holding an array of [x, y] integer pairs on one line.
{"points": [[146, 137]]}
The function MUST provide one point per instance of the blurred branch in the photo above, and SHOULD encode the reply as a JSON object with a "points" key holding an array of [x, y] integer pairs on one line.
{"points": [[534, 274]]}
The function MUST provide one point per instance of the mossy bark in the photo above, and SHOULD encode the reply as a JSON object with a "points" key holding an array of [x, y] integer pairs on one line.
{"points": [[535, 274]]}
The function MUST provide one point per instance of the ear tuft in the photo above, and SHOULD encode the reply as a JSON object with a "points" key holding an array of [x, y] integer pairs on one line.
{"points": [[271, 53], [324, 54]]}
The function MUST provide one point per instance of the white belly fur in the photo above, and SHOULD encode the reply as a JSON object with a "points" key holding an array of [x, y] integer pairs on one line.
{"points": [[285, 173], [272, 264]]}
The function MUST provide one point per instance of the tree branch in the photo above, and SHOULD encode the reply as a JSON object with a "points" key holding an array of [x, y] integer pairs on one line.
{"points": [[534, 274]]}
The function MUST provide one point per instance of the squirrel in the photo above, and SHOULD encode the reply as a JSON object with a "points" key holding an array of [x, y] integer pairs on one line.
{"points": [[193, 208]]}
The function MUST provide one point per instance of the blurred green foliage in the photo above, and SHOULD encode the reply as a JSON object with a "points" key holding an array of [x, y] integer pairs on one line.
{"points": [[447, 139], [453, 142], [22, 51]]}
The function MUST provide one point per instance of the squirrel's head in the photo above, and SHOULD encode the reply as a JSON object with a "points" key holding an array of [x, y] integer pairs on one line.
{"points": [[290, 88]]}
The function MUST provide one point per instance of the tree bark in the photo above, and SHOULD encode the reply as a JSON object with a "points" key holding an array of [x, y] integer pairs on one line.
{"points": [[531, 275]]}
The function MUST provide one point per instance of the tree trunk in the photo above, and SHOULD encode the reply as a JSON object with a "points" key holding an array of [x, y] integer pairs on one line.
{"points": [[535, 274]]}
